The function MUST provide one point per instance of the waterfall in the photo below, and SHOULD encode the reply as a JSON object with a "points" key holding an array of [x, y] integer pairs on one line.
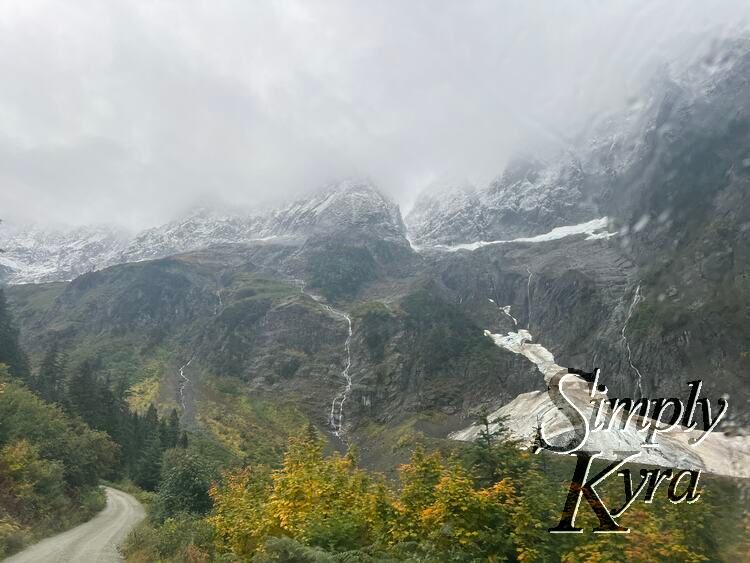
{"points": [[185, 381], [633, 304], [336, 415], [219, 304], [528, 297]]}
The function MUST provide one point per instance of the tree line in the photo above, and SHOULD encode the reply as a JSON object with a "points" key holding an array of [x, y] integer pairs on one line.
{"points": [[81, 390]]}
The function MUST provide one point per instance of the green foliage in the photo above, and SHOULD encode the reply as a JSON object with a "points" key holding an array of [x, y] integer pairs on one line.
{"points": [[328, 503], [338, 270], [494, 453], [442, 333], [148, 469], [375, 323], [250, 426], [172, 435], [85, 455], [32, 487], [31, 300], [184, 537], [123, 359], [49, 382], [50, 465], [244, 312], [324, 502], [10, 350], [651, 316], [290, 362], [247, 299], [84, 392], [185, 481], [286, 549], [496, 505]]}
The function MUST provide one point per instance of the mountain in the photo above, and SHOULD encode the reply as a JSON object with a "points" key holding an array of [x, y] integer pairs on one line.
{"points": [[628, 252], [531, 197], [611, 168], [343, 206], [33, 255]]}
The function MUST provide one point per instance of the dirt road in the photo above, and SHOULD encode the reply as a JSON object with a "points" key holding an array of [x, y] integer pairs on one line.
{"points": [[93, 542]]}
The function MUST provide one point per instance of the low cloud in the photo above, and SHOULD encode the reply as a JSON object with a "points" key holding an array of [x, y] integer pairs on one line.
{"points": [[128, 112]]}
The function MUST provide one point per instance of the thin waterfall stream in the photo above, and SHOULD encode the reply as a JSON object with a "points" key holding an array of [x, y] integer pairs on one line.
{"points": [[336, 414]]}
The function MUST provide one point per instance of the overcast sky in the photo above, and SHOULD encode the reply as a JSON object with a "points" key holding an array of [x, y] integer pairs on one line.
{"points": [[128, 112]]}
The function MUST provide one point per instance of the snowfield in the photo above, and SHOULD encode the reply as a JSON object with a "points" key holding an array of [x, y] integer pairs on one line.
{"points": [[595, 229]]}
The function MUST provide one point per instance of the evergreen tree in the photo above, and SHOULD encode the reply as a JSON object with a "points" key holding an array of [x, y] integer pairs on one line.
{"points": [[133, 448], [110, 412], [492, 455], [10, 349], [82, 393], [48, 383], [183, 441], [164, 434], [185, 481], [151, 421], [173, 429], [148, 471]]}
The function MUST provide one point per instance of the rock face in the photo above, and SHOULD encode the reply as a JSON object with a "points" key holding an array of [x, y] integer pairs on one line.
{"points": [[671, 173], [655, 295]]}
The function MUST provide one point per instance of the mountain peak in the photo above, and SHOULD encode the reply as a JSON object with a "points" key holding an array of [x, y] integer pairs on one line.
{"points": [[349, 207], [342, 205]]}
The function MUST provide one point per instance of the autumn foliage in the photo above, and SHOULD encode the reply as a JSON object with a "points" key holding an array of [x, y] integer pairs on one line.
{"points": [[440, 509], [328, 502]]}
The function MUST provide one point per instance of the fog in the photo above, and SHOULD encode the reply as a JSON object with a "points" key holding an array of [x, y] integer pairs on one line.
{"points": [[129, 112]]}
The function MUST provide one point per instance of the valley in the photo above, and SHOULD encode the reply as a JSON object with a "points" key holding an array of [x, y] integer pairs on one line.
{"points": [[333, 346]]}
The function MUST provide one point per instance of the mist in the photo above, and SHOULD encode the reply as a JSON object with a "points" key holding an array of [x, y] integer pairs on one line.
{"points": [[130, 112]]}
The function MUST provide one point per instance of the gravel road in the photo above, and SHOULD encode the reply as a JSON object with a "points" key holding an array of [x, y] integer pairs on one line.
{"points": [[95, 541]]}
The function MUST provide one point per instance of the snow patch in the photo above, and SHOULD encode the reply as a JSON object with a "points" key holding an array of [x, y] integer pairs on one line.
{"points": [[521, 343], [595, 230]]}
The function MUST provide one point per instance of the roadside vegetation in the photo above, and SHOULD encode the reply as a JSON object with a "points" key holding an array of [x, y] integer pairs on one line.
{"points": [[63, 429], [487, 501], [50, 466]]}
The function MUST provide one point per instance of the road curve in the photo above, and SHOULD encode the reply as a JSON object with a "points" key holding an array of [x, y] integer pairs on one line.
{"points": [[93, 542]]}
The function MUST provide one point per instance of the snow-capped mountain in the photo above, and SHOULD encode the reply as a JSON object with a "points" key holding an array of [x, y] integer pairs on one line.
{"points": [[345, 205], [530, 197], [600, 172], [603, 174], [628, 252], [33, 255], [446, 215], [200, 228]]}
